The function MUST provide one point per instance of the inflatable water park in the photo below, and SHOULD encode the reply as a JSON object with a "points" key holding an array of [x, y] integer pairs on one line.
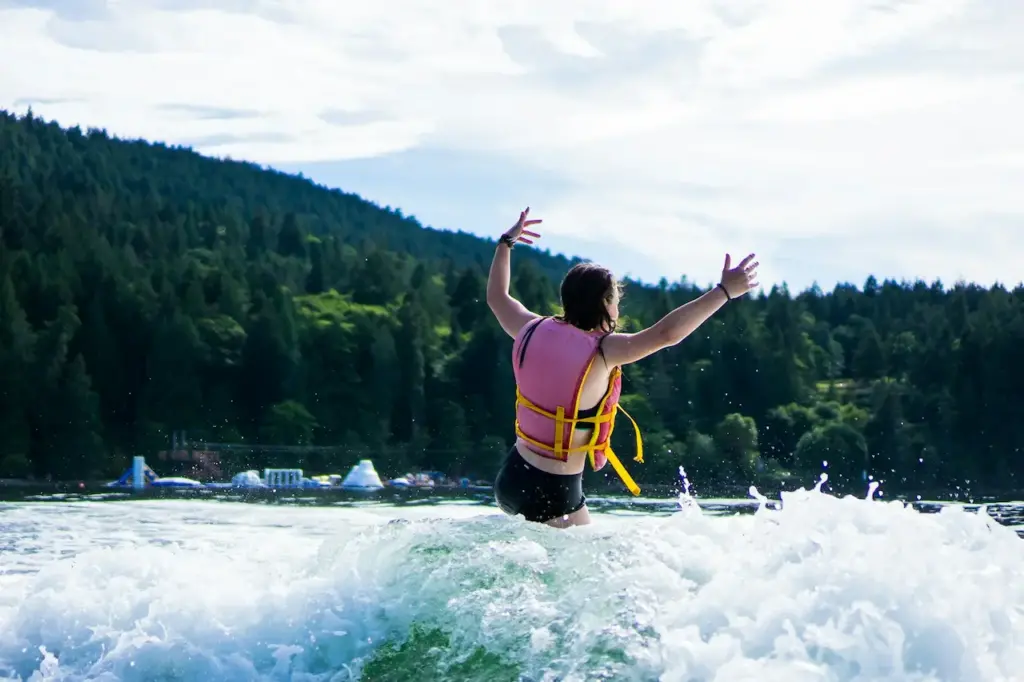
{"points": [[361, 477]]}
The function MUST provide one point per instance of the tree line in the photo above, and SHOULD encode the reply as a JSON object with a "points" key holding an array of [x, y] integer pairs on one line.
{"points": [[146, 289]]}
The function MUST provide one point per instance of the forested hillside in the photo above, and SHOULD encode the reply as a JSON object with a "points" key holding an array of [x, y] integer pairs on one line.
{"points": [[146, 289]]}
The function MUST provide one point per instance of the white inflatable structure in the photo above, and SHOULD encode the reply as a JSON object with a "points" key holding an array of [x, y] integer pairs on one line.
{"points": [[362, 477], [247, 479], [176, 482]]}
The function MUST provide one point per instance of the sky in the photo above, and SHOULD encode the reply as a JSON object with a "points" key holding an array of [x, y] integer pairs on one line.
{"points": [[836, 139]]}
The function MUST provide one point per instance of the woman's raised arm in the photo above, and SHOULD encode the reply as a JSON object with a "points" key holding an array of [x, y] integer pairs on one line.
{"points": [[510, 313], [623, 349]]}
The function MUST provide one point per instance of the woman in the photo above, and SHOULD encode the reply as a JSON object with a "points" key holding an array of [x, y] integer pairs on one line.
{"points": [[568, 378]]}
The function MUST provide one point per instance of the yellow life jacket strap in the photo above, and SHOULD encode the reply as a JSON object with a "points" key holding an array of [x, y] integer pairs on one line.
{"points": [[527, 403], [636, 431], [621, 470], [563, 453], [593, 448], [609, 452]]}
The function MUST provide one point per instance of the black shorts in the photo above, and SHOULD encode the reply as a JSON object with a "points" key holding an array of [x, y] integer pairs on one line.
{"points": [[521, 488]]}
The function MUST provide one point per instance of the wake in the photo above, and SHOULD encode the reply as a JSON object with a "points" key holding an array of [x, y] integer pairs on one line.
{"points": [[809, 587]]}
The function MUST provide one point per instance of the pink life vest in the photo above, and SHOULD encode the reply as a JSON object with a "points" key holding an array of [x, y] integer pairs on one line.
{"points": [[551, 360]]}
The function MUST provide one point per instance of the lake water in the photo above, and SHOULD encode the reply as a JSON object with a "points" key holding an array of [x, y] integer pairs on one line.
{"points": [[320, 588]]}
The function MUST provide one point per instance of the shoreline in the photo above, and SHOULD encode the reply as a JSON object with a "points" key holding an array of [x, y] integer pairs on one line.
{"points": [[653, 491]]}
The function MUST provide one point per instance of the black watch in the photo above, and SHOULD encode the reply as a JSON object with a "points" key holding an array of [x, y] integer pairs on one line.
{"points": [[507, 240]]}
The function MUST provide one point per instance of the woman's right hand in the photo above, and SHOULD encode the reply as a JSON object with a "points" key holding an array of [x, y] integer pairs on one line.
{"points": [[741, 279]]}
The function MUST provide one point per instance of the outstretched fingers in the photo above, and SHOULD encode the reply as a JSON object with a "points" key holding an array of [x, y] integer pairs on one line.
{"points": [[529, 233], [751, 272]]}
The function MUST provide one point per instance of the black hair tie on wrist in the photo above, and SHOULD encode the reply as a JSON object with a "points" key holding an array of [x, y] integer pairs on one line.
{"points": [[725, 291]]}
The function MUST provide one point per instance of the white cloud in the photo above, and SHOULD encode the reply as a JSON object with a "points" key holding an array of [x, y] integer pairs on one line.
{"points": [[682, 130]]}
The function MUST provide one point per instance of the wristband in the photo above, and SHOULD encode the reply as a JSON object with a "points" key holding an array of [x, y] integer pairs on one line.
{"points": [[724, 291], [507, 240]]}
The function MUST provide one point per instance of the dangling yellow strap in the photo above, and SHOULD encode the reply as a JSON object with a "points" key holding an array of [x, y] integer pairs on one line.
{"points": [[639, 441], [614, 459], [621, 470]]}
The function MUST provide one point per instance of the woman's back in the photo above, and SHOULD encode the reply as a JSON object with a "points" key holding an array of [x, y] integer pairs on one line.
{"points": [[556, 364]]}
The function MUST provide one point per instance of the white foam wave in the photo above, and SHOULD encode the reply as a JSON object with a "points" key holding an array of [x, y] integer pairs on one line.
{"points": [[822, 589]]}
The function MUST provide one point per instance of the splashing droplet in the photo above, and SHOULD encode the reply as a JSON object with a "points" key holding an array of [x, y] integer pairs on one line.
{"points": [[686, 501], [872, 487], [762, 501], [686, 481]]}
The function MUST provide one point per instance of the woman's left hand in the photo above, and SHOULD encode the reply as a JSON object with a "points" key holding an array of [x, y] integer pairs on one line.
{"points": [[516, 232]]}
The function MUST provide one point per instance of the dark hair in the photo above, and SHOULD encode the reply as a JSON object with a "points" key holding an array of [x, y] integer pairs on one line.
{"points": [[586, 291]]}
